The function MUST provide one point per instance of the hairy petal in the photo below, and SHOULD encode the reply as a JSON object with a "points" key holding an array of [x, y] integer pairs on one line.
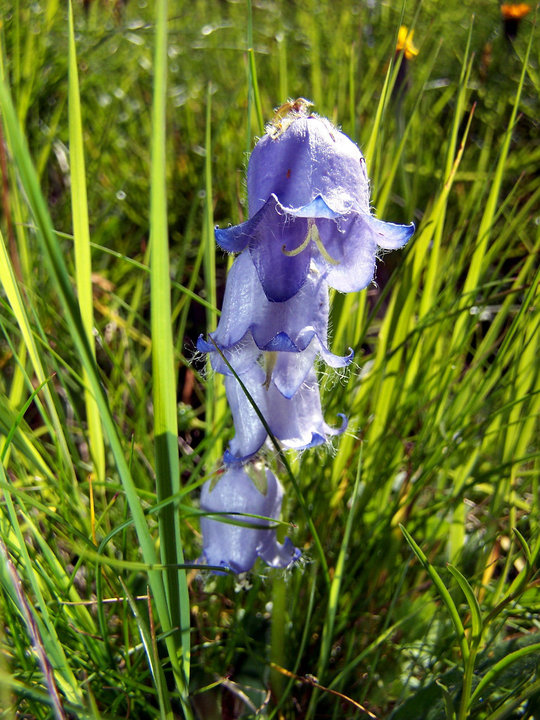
{"points": [[297, 422], [354, 245], [250, 324], [235, 546], [311, 157]]}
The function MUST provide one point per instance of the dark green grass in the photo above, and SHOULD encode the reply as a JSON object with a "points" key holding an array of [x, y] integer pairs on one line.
{"points": [[417, 594]]}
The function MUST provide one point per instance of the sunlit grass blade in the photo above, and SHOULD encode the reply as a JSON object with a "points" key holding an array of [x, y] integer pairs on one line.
{"points": [[255, 85], [389, 79], [14, 432], [453, 160], [443, 592], [215, 406], [52, 255], [163, 365], [18, 306], [81, 238]]}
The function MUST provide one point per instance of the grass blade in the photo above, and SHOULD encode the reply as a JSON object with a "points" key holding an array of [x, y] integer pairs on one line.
{"points": [[443, 592], [81, 238], [164, 376], [476, 615]]}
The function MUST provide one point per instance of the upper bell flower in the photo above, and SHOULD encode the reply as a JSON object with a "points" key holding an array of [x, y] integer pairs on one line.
{"points": [[308, 193], [236, 546]]}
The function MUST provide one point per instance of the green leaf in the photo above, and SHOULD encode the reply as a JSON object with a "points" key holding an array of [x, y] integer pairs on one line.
{"points": [[163, 366], [81, 238], [476, 614], [443, 592]]}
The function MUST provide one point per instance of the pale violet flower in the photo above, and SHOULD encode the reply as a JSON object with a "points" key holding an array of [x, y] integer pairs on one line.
{"points": [[308, 194], [297, 422], [294, 331], [310, 227], [234, 546]]}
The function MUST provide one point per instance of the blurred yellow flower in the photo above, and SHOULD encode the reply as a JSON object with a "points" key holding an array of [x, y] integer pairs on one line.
{"points": [[405, 43], [514, 12]]}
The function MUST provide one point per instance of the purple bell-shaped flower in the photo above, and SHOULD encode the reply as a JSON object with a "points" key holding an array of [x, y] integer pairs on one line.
{"points": [[310, 228], [297, 422], [236, 546], [308, 194], [250, 325]]}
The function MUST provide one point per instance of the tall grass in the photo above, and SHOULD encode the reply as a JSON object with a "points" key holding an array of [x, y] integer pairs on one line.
{"points": [[124, 131]]}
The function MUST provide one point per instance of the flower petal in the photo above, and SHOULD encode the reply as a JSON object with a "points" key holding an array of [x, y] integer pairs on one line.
{"points": [[390, 236], [250, 433], [267, 234], [250, 323], [281, 275], [237, 546], [354, 249], [291, 369], [317, 208], [298, 422], [278, 555], [309, 158], [237, 237], [353, 242]]}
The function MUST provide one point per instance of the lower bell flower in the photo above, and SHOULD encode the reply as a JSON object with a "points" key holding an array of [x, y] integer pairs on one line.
{"points": [[236, 546]]}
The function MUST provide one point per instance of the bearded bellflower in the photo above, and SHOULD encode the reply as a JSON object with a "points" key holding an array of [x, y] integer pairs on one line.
{"points": [[310, 228], [308, 194], [234, 545]]}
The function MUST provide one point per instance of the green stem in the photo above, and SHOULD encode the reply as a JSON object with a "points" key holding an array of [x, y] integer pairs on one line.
{"points": [[467, 684]]}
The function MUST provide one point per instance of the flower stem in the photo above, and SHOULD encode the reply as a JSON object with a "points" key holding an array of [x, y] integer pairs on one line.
{"points": [[277, 647]]}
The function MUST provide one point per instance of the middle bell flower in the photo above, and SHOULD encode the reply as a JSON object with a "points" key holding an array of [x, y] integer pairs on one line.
{"points": [[289, 334]]}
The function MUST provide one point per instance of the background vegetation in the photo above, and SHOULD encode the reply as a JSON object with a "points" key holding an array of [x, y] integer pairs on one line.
{"points": [[124, 139]]}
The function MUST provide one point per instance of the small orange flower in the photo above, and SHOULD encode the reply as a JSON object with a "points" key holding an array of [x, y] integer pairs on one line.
{"points": [[405, 43], [515, 12]]}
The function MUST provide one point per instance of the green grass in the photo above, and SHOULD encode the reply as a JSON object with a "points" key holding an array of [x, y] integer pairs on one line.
{"points": [[124, 139]]}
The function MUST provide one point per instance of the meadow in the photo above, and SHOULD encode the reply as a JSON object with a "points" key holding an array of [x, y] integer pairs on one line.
{"points": [[124, 138]]}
